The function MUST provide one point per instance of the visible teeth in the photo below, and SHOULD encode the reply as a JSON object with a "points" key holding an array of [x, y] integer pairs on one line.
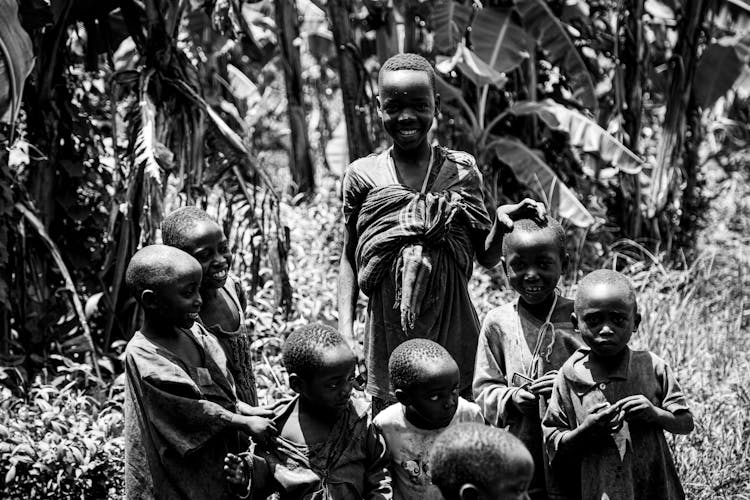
{"points": [[408, 132], [219, 275]]}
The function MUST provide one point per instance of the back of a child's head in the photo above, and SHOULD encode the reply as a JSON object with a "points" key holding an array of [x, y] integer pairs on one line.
{"points": [[410, 62], [604, 277], [303, 349], [411, 359], [476, 454], [154, 266], [548, 225], [176, 227]]}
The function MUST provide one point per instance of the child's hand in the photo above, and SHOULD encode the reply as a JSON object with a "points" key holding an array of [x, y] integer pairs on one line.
{"points": [[528, 208], [638, 407], [543, 385], [235, 470], [260, 428], [526, 402], [602, 419]]}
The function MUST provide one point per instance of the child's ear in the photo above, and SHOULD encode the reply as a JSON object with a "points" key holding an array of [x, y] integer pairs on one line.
{"points": [[402, 397], [504, 264], [574, 320], [149, 300], [565, 262], [296, 383], [469, 492], [437, 105], [636, 321]]}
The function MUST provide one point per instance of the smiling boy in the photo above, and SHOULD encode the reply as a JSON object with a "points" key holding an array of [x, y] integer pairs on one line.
{"points": [[426, 381], [414, 193], [611, 405], [181, 411]]}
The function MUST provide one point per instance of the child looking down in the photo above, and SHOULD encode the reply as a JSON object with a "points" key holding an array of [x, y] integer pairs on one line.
{"points": [[180, 406], [426, 382], [476, 462], [524, 342], [611, 405], [328, 448], [414, 220], [194, 231]]}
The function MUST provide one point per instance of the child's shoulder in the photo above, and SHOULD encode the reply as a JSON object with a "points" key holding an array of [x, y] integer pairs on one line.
{"points": [[502, 316], [363, 164], [390, 416], [468, 411], [568, 369]]}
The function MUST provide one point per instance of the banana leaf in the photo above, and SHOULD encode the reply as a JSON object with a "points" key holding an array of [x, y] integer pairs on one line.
{"points": [[498, 40], [719, 68], [449, 20], [16, 60], [534, 173]]}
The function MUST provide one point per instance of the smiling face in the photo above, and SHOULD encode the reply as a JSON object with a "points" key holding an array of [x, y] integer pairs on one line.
{"points": [[407, 104], [606, 316], [177, 299], [330, 388], [431, 403], [206, 242], [533, 263]]}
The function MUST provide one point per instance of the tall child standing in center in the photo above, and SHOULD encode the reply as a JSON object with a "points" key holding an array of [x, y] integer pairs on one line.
{"points": [[414, 220], [524, 343]]}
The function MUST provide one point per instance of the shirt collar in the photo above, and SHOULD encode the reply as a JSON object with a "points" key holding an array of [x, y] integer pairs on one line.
{"points": [[583, 378]]}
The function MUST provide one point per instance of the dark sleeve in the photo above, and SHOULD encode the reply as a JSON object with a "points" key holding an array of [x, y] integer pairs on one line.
{"points": [[673, 399], [557, 422], [171, 405], [378, 476], [355, 190]]}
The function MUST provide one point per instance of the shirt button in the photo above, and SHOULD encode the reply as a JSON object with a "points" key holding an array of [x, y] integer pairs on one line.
{"points": [[602, 386]]}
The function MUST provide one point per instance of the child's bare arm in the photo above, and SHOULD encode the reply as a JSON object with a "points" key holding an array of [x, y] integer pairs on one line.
{"points": [[253, 411], [260, 429], [347, 283], [489, 251], [638, 407]]}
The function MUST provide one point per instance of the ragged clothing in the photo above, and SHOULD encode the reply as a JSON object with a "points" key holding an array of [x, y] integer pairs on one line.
{"points": [[409, 448], [446, 220], [508, 338], [351, 463], [633, 464], [237, 347], [177, 421]]}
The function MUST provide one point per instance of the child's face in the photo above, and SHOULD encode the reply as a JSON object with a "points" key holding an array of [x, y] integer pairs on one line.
{"points": [[206, 242], [178, 301], [407, 105], [433, 402], [606, 319], [533, 264], [331, 386]]}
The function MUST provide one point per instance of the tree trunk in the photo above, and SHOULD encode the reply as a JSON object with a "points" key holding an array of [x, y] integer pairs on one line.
{"points": [[352, 81], [303, 173]]}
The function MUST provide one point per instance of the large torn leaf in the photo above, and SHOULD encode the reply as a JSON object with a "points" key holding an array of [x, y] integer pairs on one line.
{"points": [[552, 35], [719, 68], [534, 173], [449, 20], [584, 133], [16, 60], [498, 41], [145, 141], [472, 67]]}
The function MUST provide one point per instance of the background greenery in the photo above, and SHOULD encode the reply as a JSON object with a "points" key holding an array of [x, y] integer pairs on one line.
{"points": [[628, 118]]}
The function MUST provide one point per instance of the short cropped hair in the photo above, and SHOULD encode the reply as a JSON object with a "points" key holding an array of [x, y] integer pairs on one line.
{"points": [[153, 266], [304, 348], [408, 61], [408, 362], [474, 453], [532, 225], [176, 225], [606, 277]]}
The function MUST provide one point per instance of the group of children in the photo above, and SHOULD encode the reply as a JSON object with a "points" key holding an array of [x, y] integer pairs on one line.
{"points": [[563, 409]]}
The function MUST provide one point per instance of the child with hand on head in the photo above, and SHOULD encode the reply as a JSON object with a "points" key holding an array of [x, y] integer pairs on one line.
{"points": [[425, 379], [197, 233], [611, 405], [476, 462], [523, 343], [328, 448], [181, 411], [415, 219]]}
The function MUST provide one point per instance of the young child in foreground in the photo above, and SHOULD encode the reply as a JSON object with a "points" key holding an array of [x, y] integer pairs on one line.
{"points": [[181, 411], [524, 343], [415, 218], [194, 231], [328, 448], [476, 462], [426, 382], [611, 405]]}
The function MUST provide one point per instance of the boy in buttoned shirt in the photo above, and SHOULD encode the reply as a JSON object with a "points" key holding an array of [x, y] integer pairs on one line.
{"points": [[610, 405]]}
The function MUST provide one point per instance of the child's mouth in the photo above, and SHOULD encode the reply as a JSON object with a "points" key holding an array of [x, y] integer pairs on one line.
{"points": [[219, 275], [408, 132], [194, 316]]}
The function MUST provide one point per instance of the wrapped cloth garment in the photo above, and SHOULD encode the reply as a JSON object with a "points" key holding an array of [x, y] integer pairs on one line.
{"points": [[446, 220]]}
